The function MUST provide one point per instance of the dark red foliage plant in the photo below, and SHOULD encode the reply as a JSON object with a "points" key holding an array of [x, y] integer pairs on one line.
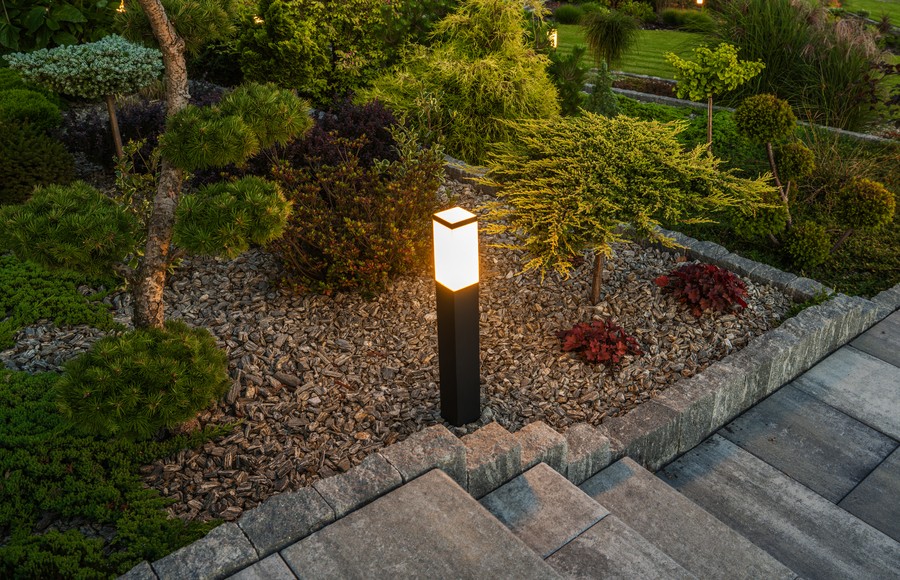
{"points": [[703, 286], [600, 341]]}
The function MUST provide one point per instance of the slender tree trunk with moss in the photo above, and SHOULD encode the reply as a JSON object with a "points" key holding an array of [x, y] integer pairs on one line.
{"points": [[841, 241], [114, 125], [709, 114], [149, 309], [597, 279], [781, 190]]}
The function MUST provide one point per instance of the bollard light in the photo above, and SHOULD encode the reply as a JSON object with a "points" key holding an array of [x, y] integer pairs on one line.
{"points": [[456, 288], [553, 38]]}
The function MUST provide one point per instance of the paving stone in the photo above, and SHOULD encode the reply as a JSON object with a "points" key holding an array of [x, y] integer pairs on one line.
{"points": [[543, 509], [589, 452], [610, 549], [142, 571], [648, 434], [493, 457], [875, 500], [285, 518], [541, 443], [270, 568], [428, 528], [860, 385], [689, 535], [221, 552], [803, 289], [812, 442], [805, 531], [882, 340], [370, 479], [430, 448]]}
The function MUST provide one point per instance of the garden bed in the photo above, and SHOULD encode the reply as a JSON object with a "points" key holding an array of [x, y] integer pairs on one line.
{"points": [[320, 382]]}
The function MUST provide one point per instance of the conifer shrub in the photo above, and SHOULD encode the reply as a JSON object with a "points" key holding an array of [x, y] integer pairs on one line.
{"points": [[863, 204], [69, 227], [569, 76], [705, 286], [807, 244], [770, 219], [10, 79], [356, 226], [600, 341], [30, 159], [765, 119], [602, 99], [137, 383], [795, 161], [25, 107]]}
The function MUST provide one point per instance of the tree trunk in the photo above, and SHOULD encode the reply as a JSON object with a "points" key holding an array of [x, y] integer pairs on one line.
{"points": [[709, 115], [114, 125], [841, 241], [149, 309], [781, 191], [597, 283]]}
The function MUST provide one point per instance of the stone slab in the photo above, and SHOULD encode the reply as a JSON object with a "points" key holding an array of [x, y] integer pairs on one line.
{"points": [[876, 500], [805, 531], [367, 481], [428, 528], [285, 518], [689, 535], [860, 385], [737, 264], [803, 289], [765, 274], [612, 550], [541, 443], [493, 457], [694, 401], [889, 299], [430, 448], [220, 553], [543, 509], [812, 442], [270, 568], [882, 340], [143, 571], [648, 434], [589, 452]]}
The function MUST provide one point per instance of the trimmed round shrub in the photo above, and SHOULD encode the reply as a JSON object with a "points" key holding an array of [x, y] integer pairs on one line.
{"points": [[23, 106], [795, 161], [29, 159], [864, 204], [768, 220], [765, 119], [807, 244], [69, 227], [135, 384], [568, 14]]}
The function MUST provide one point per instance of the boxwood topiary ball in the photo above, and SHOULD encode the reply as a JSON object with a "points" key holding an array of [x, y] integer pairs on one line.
{"points": [[864, 203], [765, 119]]}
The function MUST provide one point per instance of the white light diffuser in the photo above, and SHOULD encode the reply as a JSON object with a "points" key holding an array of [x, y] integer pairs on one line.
{"points": [[455, 248]]}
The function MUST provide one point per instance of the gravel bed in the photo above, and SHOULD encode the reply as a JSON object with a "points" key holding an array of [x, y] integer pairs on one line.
{"points": [[320, 382]]}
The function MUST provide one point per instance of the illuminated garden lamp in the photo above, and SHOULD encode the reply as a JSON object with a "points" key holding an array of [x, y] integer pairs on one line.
{"points": [[456, 285], [553, 38], [700, 3]]}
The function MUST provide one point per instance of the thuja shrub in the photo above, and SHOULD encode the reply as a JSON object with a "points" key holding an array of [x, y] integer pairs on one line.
{"points": [[863, 204], [704, 286], [600, 341], [29, 159], [25, 107], [140, 382], [355, 227]]}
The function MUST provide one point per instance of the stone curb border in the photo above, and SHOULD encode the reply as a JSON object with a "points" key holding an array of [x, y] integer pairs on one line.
{"points": [[653, 433]]}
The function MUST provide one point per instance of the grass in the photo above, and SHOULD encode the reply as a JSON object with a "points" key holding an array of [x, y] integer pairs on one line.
{"points": [[646, 57], [875, 8]]}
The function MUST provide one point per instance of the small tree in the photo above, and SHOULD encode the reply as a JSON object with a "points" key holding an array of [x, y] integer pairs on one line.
{"points": [[569, 185], [97, 70], [711, 73]]}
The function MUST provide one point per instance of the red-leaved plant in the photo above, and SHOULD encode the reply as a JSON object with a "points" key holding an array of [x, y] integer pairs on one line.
{"points": [[599, 342], [703, 286]]}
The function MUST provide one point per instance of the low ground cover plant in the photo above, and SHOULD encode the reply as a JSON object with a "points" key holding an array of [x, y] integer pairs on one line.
{"points": [[705, 287], [599, 342]]}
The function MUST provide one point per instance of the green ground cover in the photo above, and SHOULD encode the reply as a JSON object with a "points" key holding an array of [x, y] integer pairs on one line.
{"points": [[875, 8], [646, 57]]}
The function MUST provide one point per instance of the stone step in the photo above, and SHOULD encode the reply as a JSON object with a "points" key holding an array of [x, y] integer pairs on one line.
{"points": [[428, 528], [689, 535], [805, 531], [543, 509]]}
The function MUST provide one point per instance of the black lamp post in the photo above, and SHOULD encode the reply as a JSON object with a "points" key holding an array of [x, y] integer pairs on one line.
{"points": [[456, 284]]}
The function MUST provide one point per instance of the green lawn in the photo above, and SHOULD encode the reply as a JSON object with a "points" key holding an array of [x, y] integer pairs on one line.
{"points": [[876, 8], [647, 55]]}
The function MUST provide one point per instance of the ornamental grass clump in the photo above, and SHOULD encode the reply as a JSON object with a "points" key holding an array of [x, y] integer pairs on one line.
{"points": [[705, 286], [600, 341]]}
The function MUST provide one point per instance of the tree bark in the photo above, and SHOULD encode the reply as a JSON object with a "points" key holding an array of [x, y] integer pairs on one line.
{"points": [[709, 115], [149, 308], [842, 239], [781, 190], [114, 125], [597, 282]]}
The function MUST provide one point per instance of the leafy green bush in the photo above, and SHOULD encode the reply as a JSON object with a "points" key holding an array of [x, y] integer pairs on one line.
{"points": [[224, 218], [807, 244], [568, 14], [50, 470], [479, 75], [610, 34], [135, 384], [25, 107], [863, 204], [29, 293], [412, 22], [356, 226], [686, 19], [651, 111], [569, 76], [765, 119], [29, 159], [32, 24], [640, 11], [69, 227], [10, 79]]}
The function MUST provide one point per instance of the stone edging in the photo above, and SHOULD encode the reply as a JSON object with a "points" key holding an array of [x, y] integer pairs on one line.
{"points": [[653, 433]]}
